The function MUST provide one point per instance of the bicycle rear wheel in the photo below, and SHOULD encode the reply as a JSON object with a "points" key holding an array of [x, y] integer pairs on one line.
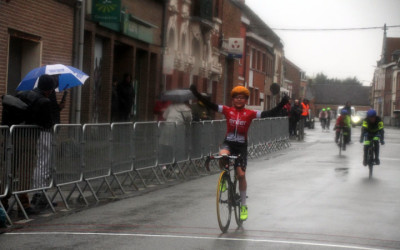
{"points": [[370, 161], [237, 203], [224, 204], [340, 143]]}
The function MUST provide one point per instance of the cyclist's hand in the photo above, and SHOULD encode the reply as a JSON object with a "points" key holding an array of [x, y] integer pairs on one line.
{"points": [[382, 142], [193, 88], [285, 100], [361, 140]]}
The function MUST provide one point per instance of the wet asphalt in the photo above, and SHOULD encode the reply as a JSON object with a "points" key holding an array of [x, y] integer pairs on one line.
{"points": [[305, 197]]}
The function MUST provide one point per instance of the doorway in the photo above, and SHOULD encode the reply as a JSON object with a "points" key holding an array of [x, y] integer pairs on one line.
{"points": [[24, 54]]}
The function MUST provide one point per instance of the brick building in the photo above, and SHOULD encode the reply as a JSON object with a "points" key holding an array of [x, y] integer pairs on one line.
{"points": [[132, 45], [28, 41], [262, 62], [295, 81], [195, 33], [385, 92]]}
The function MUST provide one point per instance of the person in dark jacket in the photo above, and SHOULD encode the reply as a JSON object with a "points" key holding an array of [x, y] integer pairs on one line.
{"points": [[40, 114], [201, 112], [295, 114], [126, 97]]}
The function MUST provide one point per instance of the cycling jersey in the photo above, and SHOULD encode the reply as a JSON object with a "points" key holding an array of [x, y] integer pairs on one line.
{"points": [[238, 122]]}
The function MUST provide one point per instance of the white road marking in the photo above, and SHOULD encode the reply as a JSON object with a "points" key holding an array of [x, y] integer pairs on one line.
{"points": [[198, 238]]}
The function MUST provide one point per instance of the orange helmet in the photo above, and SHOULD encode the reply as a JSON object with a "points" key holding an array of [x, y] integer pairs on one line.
{"points": [[240, 90]]}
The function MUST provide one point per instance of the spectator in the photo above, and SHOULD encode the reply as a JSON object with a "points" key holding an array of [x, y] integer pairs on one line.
{"points": [[41, 114], [178, 112], [200, 112], [286, 109], [114, 100], [294, 118], [126, 97], [159, 109]]}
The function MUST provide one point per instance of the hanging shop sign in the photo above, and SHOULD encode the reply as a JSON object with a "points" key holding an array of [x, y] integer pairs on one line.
{"points": [[106, 11]]}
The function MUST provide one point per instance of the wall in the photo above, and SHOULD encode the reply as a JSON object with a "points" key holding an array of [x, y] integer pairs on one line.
{"points": [[32, 18]]}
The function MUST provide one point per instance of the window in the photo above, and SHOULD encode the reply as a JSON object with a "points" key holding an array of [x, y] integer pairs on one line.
{"points": [[259, 59], [254, 59], [264, 63]]}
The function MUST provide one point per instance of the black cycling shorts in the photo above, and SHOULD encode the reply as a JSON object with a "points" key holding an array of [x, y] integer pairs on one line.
{"points": [[238, 149]]}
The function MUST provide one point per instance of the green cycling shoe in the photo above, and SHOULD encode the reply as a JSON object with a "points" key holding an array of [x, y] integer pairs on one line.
{"points": [[222, 186], [243, 213]]}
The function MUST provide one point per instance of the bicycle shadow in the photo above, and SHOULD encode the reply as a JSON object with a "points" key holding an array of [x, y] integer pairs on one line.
{"points": [[237, 233], [370, 181]]}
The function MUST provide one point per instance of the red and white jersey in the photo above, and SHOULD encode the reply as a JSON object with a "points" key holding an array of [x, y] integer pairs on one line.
{"points": [[238, 122]]}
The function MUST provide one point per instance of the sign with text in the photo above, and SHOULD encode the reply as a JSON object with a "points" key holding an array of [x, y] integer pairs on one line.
{"points": [[106, 11]]}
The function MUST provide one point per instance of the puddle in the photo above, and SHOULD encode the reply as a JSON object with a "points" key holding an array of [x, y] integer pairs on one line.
{"points": [[340, 172]]}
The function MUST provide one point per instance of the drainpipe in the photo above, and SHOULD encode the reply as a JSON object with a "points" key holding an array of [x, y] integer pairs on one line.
{"points": [[80, 59], [164, 46]]}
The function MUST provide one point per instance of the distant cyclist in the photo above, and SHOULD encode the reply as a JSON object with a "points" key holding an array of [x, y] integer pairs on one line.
{"points": [[343, 122], [238, 120], [323, 115], [372, 130], [328, 119]]}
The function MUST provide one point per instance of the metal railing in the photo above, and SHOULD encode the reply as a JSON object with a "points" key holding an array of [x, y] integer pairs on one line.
{"points": [[35, 160]]}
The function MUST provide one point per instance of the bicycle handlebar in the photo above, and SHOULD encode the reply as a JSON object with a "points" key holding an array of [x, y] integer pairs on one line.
{"points": [[227, 156]]}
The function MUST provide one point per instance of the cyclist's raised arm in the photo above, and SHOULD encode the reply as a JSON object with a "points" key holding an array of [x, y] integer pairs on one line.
{"points": [[204, 100], [275, 111]]}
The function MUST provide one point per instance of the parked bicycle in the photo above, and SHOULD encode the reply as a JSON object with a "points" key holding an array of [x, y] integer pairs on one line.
{"points": [[228, 196]]}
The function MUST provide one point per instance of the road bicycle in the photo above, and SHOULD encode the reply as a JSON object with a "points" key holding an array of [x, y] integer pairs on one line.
{"points": [[341, 142], [370, 153], [228, 196]]}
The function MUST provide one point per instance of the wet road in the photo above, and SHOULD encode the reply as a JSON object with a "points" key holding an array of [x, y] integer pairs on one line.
{"points": [[306, 197]]}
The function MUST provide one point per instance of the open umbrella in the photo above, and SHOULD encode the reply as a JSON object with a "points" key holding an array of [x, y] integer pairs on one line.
{"points": [[68, 77], [178, 95]]}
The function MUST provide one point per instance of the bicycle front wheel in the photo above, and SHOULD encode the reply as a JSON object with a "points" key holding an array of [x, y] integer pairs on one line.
{"points": [[237, 203], [370, 161], [224, 204]]}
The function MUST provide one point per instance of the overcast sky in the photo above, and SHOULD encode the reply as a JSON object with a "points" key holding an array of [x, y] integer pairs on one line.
{"points": [[338, 54]]}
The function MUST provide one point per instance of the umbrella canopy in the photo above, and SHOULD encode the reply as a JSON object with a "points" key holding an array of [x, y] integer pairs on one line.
{"points": [[68, 77], [178, 95]]}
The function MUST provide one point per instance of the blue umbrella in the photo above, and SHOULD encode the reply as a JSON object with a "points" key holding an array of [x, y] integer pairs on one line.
{"points": [[68, 77]]}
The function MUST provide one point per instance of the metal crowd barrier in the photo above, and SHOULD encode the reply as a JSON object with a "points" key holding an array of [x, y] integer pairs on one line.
{"points": [[166, 149], [146, 149], [67, 160], [38, 160], [30, 164], [97, 156], [4, 166], [122, 153]]}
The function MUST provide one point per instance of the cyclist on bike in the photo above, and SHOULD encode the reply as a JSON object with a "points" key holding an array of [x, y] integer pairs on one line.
{"points": [[343, 121], [238, 120], [372, 130]]}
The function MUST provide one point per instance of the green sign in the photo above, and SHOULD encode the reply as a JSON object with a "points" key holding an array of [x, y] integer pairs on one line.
{"points": [[106, 11], [138, 29]]}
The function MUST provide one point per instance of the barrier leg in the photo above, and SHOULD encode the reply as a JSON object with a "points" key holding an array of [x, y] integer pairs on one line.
{"points": [[119, 183], [48, 200], [92, 190], [7, 217], [81, 194], [58, 191], [141, 177], [20, 206]]}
